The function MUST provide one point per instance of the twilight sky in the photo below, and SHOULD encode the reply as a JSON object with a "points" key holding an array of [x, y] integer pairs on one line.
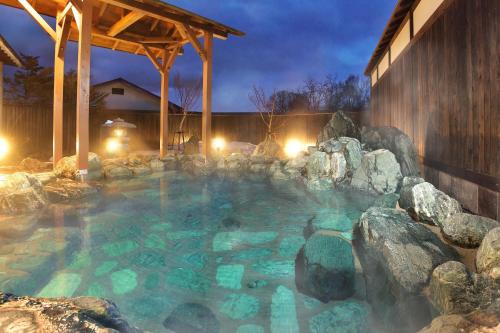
{"points": [[286, 42]]}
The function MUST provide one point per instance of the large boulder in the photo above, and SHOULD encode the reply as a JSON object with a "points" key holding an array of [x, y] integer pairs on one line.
{"points": [[20, 193], [467, 230], [451, 289], [64, 189], [339, 126], [268, 148], [428, 204], [488, 255], [192, 318], [345, 156], [67, 168], [378, 173], [325, 267], [319, 165], [398, 257], [33, 165], [397, 142], [192, 146], [405, 194], [479, 321], [81, 314]]}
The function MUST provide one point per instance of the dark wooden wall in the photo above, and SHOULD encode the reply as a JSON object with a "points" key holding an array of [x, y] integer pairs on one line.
{"points": [[443, 91], [31, 128]]}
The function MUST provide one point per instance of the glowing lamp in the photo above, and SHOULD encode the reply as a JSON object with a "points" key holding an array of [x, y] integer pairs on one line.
{"points": [[218, 144], [119, 133], [293, 147], [113, 145], [4, 148]]}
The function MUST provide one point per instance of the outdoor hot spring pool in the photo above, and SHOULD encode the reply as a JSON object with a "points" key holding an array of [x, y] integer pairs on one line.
{"points": [[155, 243]]}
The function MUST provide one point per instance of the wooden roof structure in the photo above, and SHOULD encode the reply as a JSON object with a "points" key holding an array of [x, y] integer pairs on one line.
{"points": [[152, 28], [7, 54], [127, 25], [398, 15]]}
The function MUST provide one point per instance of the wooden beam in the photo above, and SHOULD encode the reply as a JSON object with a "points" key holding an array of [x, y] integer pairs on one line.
{"points": [[77, 4], [83, 89], [155, 12], [102, 9], [63, 39], [38, 18], [65, 11], [206, 128], [154, 25], [152, 57], [187, 33], [124, 23], [158, 40], [57, 121], [164, 114], [169, 62], [78, 17]]}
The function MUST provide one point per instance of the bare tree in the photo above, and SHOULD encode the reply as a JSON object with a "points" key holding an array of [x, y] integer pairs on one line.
{"points": [[268, 109], [188, 93]]}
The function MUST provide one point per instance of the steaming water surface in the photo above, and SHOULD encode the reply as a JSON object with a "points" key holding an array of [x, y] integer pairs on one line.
{"points": [[155, 243]]}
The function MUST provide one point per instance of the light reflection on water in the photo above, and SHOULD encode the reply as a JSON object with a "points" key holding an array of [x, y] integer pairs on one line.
{"points": [[154, 243]]}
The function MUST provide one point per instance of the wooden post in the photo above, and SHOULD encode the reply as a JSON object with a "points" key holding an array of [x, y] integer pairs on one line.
{"points": [[57, 122], [164, 113], [1, 97], [207, 95], [83, 89]]}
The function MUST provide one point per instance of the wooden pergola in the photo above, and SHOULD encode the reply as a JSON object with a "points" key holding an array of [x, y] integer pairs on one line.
{"points": [[145, 27], [7, 57]]}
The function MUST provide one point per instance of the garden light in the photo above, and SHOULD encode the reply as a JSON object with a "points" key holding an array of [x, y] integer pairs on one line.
{"points": [[293, 147], [119, 133], [4, 148], [218, 144], [113, 145]]}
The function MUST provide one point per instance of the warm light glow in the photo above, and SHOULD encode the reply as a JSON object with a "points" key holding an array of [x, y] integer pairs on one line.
{"points": [[119, 132], [4, 148], [293, 147], [218, 144], [113, 145]]}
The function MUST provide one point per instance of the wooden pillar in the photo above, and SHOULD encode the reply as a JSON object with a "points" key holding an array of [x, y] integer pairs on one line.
{"points": [[207, 95], [1, 97], [57, 122], [83, 89], [164, 113]]}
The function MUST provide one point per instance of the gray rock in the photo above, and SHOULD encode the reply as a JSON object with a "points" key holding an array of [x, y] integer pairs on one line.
{"points": [[192, 318], [339, 126], [325, 267], [318, 165], [428, 204], [398, 257], [488, 255], [157, 165], [405, 194], [20, 193], [66, 167], [170, 162], [64, 189], [81, 314], [349, 147], [268, 148], [115, 171], [192, 146], [451, 289], [379, 173], [467, 230], [338, 166], [397, 142]]}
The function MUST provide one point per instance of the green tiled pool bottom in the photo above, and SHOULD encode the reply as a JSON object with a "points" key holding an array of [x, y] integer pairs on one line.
{"points": [[158, 245]]}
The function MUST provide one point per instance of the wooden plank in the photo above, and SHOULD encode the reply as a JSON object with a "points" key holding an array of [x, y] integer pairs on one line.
{"points": [[187, 33], [164, 114], [124, 23], [38, 18], [207, 95], [152, 57], [169, 62], [57, 120], [83, 88]]}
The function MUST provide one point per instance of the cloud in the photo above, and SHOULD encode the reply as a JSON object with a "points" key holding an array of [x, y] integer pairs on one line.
{"points": [[286, 41]]}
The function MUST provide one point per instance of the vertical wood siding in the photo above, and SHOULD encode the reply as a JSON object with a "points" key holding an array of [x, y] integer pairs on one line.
{"points": [[443, 91]]}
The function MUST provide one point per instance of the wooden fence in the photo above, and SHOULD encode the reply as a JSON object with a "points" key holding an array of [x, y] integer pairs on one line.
{"points": [[30, 127]]}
